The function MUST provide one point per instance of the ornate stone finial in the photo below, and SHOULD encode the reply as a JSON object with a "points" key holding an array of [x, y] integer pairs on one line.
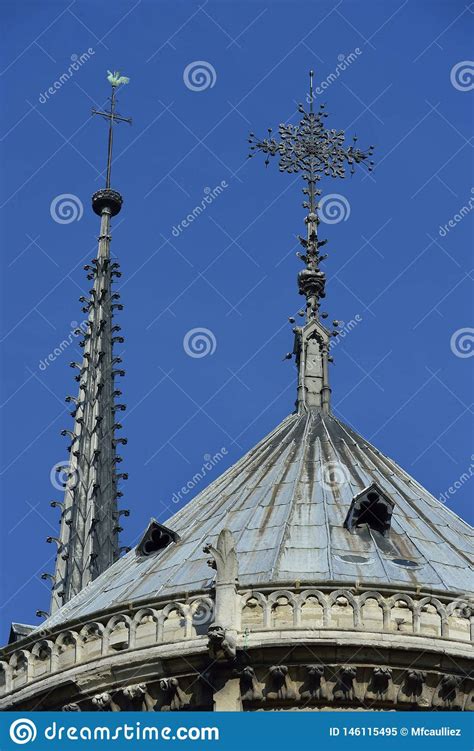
{"points": [[315, 152], [222, 632], [224, 558]]}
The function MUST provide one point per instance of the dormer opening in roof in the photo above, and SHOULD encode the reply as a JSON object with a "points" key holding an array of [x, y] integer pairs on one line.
{"points": [[157, 537], [371, 507], [315, 152]]}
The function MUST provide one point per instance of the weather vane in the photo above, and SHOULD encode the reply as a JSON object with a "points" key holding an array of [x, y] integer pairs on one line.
{"points": [[115, 80], [315, 152]]}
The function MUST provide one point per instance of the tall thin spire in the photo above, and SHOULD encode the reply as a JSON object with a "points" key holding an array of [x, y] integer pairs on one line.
{"points": [[88, 541], [315, 152]]}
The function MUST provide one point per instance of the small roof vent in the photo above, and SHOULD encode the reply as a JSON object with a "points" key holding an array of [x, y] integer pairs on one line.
{"points": [[371, 507], [157, 537]]}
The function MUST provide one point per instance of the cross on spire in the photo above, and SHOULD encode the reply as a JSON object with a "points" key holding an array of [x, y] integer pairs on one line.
{"points": [[115, 80], [312, 150]]}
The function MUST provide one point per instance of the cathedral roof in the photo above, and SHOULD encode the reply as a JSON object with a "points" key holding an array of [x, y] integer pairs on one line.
{"points": [[313, 504], [292, 504]]}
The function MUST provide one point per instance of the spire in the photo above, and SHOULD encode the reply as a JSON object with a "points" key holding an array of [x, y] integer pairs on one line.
{"points": [[89, 529], [315, 152]]}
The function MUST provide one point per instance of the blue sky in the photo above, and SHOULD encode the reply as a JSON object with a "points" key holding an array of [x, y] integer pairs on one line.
{"points": [[402, 375]]}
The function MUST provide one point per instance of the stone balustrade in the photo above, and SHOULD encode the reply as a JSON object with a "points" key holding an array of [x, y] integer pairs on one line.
{"points": [[45, 653]]}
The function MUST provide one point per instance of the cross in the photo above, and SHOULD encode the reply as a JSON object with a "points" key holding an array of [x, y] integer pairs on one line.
{"points": [[311, 149], [314, 151], [113, 117]]}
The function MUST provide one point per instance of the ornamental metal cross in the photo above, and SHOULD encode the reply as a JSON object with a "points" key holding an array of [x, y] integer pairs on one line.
{"points": [[112, 116], [314, 151], [311, 149]]}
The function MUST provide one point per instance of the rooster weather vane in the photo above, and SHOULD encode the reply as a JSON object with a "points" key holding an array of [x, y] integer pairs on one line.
{"points": [[314, 151]]}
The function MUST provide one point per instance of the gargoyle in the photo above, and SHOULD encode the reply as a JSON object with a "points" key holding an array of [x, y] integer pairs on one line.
{"points": [[222, 644], [412, 688], [249, 686], [344, 688], [281, 686], [312, 688], [105, 703], [174, 697], [446, 692], [138, 698], [379, 684]]}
